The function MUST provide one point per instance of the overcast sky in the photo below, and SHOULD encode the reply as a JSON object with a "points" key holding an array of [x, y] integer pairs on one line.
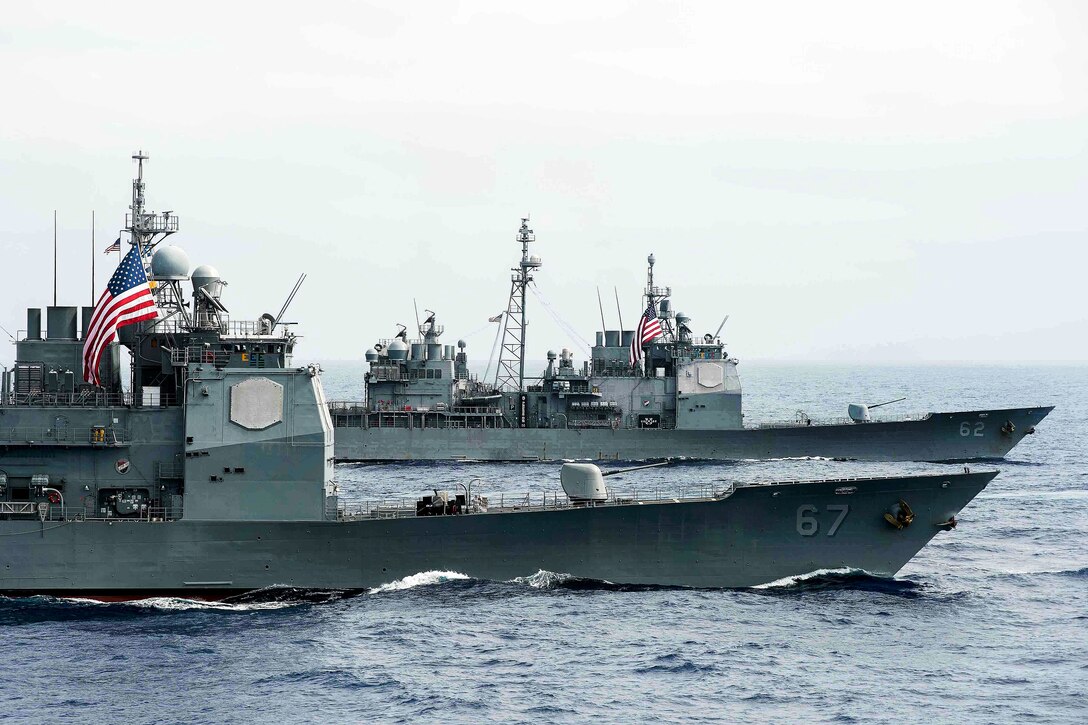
{"points": [[849, 181]]}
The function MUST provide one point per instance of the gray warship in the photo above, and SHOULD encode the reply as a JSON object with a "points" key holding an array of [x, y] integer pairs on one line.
{"points": [[682, 398], [212, 474]]}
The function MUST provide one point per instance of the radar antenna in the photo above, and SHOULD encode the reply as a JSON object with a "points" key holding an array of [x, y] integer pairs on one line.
{"points": [[146, 228], [510, 374]]}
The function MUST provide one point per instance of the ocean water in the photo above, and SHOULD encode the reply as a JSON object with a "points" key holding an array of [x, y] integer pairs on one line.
{"points": [[988, 624]]}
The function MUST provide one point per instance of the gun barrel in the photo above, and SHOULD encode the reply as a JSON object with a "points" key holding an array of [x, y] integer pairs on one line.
{"points": [[637, 468]]}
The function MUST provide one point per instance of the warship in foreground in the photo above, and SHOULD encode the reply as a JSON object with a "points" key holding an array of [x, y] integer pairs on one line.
{"points": [[672, 394], [213, 476]]}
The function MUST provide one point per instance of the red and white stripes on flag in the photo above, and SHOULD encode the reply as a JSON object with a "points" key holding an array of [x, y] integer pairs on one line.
{"points": [[127, 300], [649, 327]]}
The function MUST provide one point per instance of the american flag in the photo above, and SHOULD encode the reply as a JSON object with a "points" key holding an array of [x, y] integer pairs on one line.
{"points": [[649, 327], [127, 300], [115, 247]]}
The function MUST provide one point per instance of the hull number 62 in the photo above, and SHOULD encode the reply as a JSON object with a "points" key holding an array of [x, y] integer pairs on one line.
{"points": [[968, 429]]}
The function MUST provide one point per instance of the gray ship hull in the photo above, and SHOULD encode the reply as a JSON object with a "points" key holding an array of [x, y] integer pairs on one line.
{"points": [[754, 535], [936, 437]]}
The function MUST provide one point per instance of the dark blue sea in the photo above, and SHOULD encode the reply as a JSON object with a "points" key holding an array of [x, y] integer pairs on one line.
{"points": [[988, 624]]}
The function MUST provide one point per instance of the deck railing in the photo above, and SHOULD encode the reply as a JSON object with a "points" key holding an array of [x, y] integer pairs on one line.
{"points": [[94, 436], [395, 508], [58, 513]]}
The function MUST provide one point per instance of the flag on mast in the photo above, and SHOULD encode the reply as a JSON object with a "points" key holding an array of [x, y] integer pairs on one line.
{"points": [[126, 300], [115, 247], [649, 327]]}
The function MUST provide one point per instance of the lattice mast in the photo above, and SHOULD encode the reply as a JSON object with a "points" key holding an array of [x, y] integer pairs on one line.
{"points": [[511, 370]]}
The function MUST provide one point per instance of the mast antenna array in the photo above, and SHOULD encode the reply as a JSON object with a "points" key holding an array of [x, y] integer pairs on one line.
{"points": [[146, 228], [510, 374], [655, 294]]}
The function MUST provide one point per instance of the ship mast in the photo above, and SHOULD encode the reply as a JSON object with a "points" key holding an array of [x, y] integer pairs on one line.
{"points": [[511, 370], [654, 295], [146, 228]]}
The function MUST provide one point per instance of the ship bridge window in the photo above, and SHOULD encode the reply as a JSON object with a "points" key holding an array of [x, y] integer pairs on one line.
{"points": [[430, 374], [438, 374]]}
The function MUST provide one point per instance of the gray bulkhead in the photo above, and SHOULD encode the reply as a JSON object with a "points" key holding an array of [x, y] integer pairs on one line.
{"points": [[257, 446], [708, 395]]}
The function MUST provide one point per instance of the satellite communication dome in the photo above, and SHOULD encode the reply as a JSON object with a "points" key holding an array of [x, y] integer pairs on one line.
{"points": [[682, 318], [397, 350], [461, 344], [371, 355], [170, 263], [207, 276]]}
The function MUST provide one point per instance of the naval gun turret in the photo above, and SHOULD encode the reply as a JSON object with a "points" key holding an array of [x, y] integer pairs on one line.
{"points": [[859, 412]]}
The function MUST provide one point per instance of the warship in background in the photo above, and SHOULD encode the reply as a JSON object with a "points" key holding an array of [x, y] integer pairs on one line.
{"points": [[682, 399], [212, 475]]}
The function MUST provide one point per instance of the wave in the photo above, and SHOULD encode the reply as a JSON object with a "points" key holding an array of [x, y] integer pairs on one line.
{"points": [[839, 578], [422, 579], [1081, 573], [543, 580], [267, 598], [674, 664]]}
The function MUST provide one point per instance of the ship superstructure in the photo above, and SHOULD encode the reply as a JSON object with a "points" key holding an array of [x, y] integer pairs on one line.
{"points": [[681, 396], [205, 393]]}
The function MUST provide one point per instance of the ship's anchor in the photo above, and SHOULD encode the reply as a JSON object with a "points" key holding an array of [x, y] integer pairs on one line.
{"points": [[1008, 428], [900, 515], [947, 525]]}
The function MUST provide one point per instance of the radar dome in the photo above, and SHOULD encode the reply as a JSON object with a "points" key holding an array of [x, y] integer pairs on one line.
{"points": [[397, 350], [461, 344], [207, 276], [682, 318], [371, 355], [170, 263], [204, 274]]}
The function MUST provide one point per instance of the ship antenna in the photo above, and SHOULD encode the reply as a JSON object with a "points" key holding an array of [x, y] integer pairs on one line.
{"points": [[511, 369], [604, 325], [655, 294], [146, 228]]}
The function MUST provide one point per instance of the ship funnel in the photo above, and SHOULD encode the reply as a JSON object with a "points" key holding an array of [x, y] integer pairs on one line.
{"points": [[33, 323], [61, 323]]}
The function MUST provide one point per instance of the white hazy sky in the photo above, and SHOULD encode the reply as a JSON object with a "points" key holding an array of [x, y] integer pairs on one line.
{"points": [[850, 181]]}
